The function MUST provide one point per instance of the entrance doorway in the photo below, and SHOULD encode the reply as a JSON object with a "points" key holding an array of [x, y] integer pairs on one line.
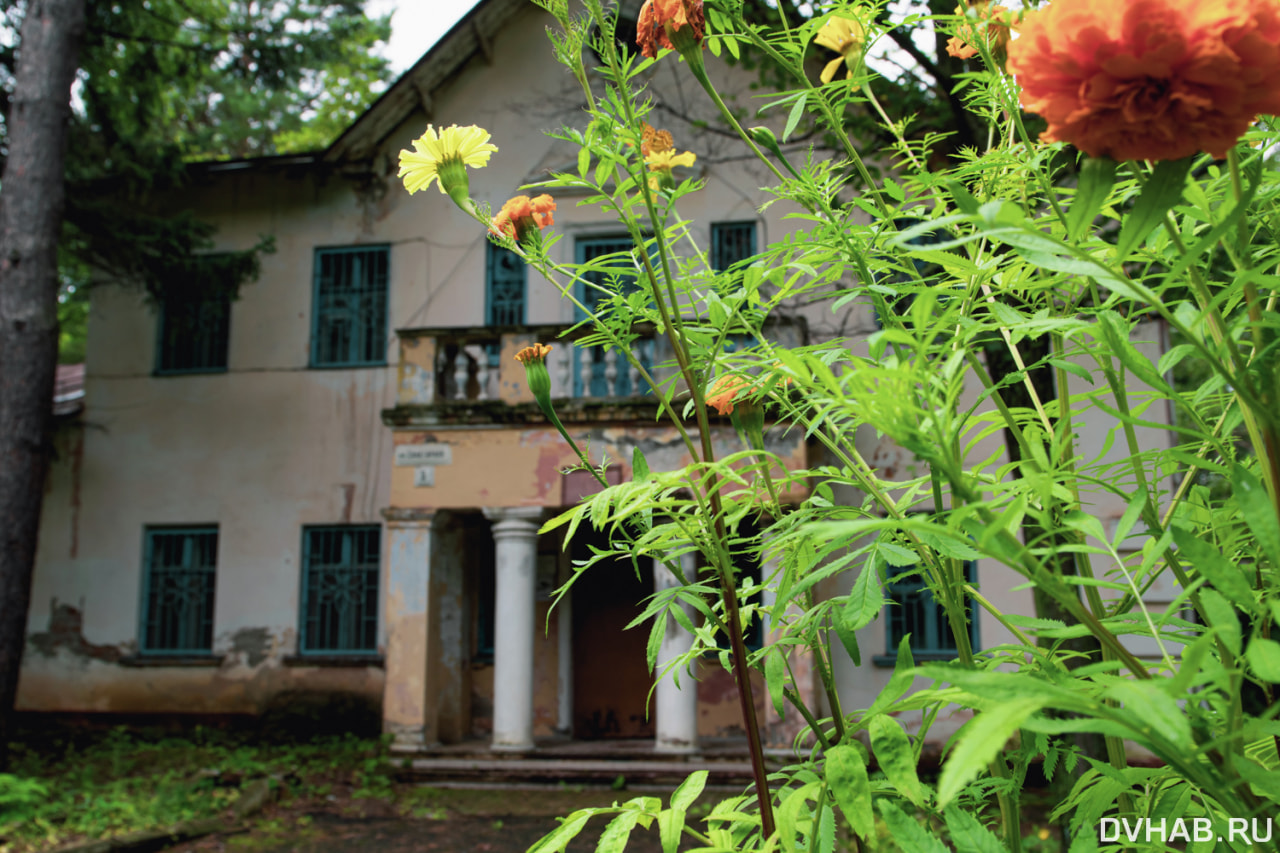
{"points": [[611, 678]]}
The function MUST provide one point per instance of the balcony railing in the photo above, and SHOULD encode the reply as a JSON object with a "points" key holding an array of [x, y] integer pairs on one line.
{"points": [[460, 366]]}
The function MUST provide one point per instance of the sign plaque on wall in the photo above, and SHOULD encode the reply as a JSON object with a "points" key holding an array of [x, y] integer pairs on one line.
{"points": [[424, 475], [424, 454]]}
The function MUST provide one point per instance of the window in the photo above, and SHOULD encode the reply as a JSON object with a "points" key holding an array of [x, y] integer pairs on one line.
{"points": [[340, 589], [913, 611], [179, 566], [350, 307], [731, 242], [623, 280], [193, 333], [504, 289]]}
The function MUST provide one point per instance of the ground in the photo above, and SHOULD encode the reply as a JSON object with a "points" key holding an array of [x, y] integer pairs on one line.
{"points": [[495, 821]]}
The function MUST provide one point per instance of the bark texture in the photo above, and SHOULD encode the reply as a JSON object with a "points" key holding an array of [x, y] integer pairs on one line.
{"points": [[31, 200]]}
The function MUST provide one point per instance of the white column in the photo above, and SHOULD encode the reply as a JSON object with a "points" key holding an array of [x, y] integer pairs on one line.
{"points": [[408, 712], [564, 652], [676, 708], [515, 536]]}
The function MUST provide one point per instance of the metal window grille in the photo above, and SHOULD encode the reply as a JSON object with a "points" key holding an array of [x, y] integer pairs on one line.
{"points": [[179, 574], [505, 277], [731, 242], [340, 589], [624, 281], [193, 334], [350, 316], [914, 611]]}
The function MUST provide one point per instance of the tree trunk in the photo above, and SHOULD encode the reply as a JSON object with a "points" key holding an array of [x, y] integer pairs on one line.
{"points": [[30, 222]]}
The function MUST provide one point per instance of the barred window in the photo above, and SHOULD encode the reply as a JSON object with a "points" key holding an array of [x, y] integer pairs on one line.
{"points": [[350, 307], [592, 292], [179, 569], [731, 242], [340, 589], [914, 611], [193, 333], [505, 277]]}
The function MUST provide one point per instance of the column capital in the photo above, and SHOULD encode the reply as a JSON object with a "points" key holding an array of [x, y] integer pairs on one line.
{"points": [[529, 514], [408, 516]]}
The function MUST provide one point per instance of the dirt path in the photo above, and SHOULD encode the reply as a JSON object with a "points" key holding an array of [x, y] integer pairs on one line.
{"points": [[427, 819]]}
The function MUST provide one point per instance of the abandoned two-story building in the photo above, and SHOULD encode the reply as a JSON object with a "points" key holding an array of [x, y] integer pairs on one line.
{"points": [[335, 483]]}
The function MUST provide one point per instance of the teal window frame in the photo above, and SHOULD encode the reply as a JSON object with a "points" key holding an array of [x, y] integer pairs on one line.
{"points": [[350, 291], [914, 611], [732, 242], [179, 587], [347, 634], [587, 249], [192, 335], [504, 270]]}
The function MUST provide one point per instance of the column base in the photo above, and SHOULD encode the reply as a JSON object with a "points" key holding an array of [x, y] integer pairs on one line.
{"points": [[411, 741], [676, 747], [511, 747]]}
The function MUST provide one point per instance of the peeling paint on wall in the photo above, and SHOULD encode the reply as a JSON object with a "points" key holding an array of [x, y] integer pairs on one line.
{"points": [[66, 633]]}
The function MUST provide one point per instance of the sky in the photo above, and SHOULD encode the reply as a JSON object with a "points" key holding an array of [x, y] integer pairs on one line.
{"points": [[416, 25]]}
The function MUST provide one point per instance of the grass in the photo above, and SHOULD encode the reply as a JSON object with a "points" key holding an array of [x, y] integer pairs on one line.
{"points": [[71, 789]]}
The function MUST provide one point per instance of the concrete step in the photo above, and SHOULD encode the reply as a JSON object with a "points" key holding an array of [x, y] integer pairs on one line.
{"points": [[507, 770]]}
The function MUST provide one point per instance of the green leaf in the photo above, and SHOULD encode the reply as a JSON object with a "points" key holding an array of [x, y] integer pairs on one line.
{"points": [[1264, 659], [896, 555], [865, 600], [848, 637], [797, 111], [615, 835], [1154, 712], [1097, 176], [968, 835], [979, 741], [670, 828], [557, 840], [656, 632], [689, 791], [639, 465], [1162, 191], [907, 833], [1255, 506], [897, 759], [846, 775], [775, 676], [1225, 575]]}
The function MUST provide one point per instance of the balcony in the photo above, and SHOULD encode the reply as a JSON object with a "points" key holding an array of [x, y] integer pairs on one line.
{"points": [[461, 376]]}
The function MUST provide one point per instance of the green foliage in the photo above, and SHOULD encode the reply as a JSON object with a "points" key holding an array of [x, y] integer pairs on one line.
{"points": [[1015, 304], [126, 782]]}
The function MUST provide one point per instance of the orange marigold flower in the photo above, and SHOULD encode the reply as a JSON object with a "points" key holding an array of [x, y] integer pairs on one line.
{"points": [[1149, 79], [676, 24], [961, 45], [535, 353], [653, 141], [522, 215], [721, 393]]}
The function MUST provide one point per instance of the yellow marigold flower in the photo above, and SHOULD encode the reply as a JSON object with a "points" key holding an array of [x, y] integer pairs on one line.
{"points": [[522, 216], [961, 45], [443, 157], [721, 393], [537, 352], [665, 161], [846, 35]]}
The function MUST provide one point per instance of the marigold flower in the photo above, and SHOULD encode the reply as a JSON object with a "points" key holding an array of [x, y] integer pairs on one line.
{"points": [[721, 393], [665, 161], [522, 216], [675, 24], [530, 354], [961, 45], [845, 35], [653, 140], [443, 158], [1149, 79]]}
